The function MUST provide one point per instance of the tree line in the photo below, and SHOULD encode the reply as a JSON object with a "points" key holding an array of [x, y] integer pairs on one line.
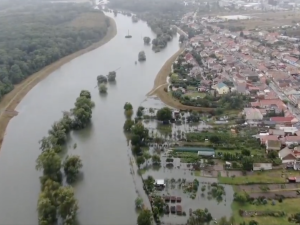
{"points": [[35, 34], [55, 200]]}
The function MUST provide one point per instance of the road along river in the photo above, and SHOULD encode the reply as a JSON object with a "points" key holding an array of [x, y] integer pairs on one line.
{"points": [[106, 192]]}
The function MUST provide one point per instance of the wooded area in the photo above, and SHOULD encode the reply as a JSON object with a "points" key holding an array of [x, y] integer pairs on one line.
{"points": [[35, 34]]}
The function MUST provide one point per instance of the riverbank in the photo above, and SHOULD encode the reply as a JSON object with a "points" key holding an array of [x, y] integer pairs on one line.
{"points": [[12, 99], [160, 83]]}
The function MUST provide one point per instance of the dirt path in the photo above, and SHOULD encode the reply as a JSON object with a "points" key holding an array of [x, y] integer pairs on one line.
{"points": [[160, 84], [12, 99]]}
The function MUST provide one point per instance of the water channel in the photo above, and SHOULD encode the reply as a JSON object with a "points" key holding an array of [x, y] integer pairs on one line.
{"points": [[106, 192]]}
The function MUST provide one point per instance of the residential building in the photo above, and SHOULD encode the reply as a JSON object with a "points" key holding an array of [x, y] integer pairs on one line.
{"points": [[222, 88]]}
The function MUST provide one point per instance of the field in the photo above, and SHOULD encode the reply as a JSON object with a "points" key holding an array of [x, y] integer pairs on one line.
{"points": [[262, 177], [267, 20], [195, 94], [289, 206]]}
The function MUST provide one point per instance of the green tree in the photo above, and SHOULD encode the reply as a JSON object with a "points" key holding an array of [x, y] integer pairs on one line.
{"points": [[128, 125], [241, 197], [128, 106], [147, 40], [138, 203], [147, 156], [58, 132], [102, 88], [49, 161], [85, 93], [145, 217], [164, 114], [101, 79], [140, 160], [16, 74], [67, 205], [129, 113], [156, 159], [247, 163], [199, 216], [214, 139], [140, 130], [72, 165], [135, 139], [46, 210], [253, 222]]}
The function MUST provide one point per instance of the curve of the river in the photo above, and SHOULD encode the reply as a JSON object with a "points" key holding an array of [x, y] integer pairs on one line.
{"points": [[106, 192]]}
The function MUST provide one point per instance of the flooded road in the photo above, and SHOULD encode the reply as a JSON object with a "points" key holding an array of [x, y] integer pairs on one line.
{"points": [[106, 192]]}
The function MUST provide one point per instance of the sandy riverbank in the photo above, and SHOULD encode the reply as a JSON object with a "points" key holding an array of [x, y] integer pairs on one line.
{"points": [[12, 99], [160, 83]]}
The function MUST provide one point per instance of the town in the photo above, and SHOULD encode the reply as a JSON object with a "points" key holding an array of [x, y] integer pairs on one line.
{"points": [[237, 92]]}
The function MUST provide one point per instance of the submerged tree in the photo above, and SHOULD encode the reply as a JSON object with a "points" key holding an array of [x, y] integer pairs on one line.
{"points": [[156, 159], [128, 106], [199, 216], [72, 165], [145, 217], [67, 205], [82, 112], [128, 125], [85, 93], [101, 79], [48, 161], [102, 88], [112, 76], [138, 203], [164, 114], [147, 40], [58, 132]]}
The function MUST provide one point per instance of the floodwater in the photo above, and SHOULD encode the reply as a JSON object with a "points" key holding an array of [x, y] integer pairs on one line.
{"points": [[106, 192], [217, 209]]}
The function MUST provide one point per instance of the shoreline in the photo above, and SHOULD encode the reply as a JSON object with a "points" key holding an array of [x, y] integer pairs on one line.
{"points": [[13, 98], [160, 83]]}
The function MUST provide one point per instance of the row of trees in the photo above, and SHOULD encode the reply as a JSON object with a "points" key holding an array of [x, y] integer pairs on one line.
{"points": [[36, 34], [55, 200]]}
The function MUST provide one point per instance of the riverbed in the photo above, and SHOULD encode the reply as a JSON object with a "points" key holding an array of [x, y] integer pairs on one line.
{"points": [[106, 192]]}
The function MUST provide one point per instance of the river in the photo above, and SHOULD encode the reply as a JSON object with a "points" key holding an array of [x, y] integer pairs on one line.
{"points": [[106, 192]]}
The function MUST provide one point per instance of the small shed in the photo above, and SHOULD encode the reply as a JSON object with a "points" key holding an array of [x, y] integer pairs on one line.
{"points": [[178, 209], [167, 198], [173, 199], [262, 166]]}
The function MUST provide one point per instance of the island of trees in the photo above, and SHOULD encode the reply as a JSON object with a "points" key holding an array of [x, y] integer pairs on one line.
{"points": [[42, 34], [102, 80], [57, 201]]}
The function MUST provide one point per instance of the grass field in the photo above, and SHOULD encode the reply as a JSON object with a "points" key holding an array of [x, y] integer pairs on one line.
{"points": [[195, 94], [289, 206], [262, 177]]}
